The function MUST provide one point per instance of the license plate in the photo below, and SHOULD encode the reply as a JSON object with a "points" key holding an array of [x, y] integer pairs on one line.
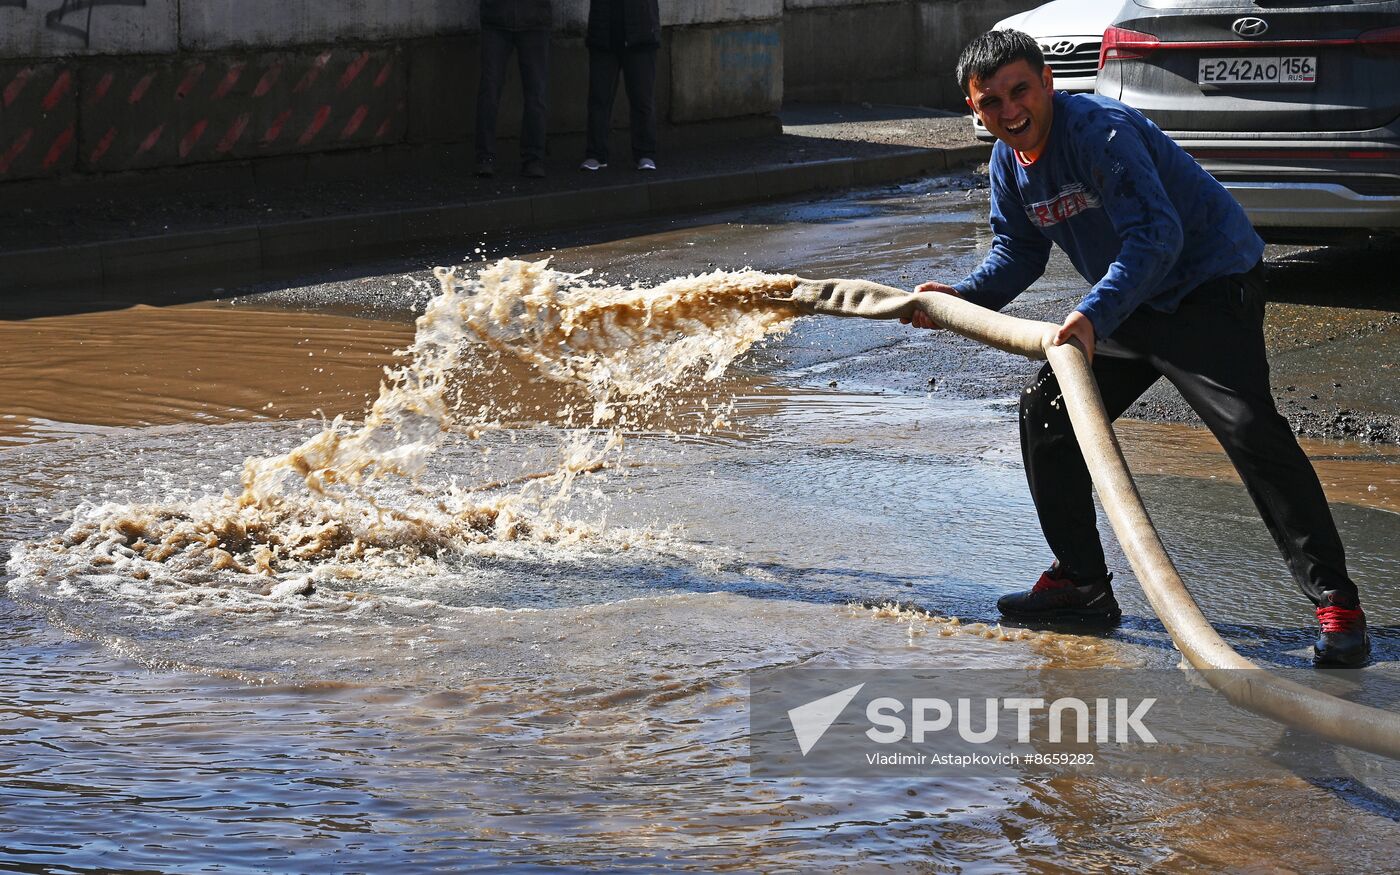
{"points": [[1294, 70]]}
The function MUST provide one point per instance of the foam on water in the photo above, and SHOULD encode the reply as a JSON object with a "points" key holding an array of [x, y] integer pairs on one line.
{"points": [[352, 499]]}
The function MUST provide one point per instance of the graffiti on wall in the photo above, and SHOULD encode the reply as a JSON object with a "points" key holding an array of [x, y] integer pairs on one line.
{"points": [[74, 17]]}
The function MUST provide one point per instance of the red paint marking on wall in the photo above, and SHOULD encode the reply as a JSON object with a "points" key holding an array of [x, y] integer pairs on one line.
{"points": [[103, 145], [355, 121], [189, 82], [268, 80], [235, 132], [323, 115], [15, 150], [192, 136], [314, 73], [388, 123], [100, 90], [150, 142], [383, 75], [59, 89], [59, 146], [17, 84], [138, 91], [275, 129], [230, 80], [352, 71]]}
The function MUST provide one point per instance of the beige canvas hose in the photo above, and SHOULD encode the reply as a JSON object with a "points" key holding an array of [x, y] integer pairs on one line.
{"points": [[1242, 682]]}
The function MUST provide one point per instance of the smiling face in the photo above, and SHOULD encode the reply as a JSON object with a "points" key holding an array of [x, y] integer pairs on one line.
{"points": [[1017, 105]]}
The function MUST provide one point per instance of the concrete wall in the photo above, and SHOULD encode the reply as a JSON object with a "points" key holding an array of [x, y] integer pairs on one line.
{"points": [[882, 51], [94, 86], [54, 28], [729, 71], [97, 86], [211, 24]]}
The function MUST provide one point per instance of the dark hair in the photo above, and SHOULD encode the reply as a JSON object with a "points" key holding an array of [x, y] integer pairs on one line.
{"points": [[995, 49]]}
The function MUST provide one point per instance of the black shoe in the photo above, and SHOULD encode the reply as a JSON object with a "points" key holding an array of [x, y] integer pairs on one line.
{"points": [[486, 168], [1343, 642], [534, 169], [1055, 597]]}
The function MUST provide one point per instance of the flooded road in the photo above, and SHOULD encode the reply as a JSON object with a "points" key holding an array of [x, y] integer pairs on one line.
{"points": [[578, 701], [196, 363]]}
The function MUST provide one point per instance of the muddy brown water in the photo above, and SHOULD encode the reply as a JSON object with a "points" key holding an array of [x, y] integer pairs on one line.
{"points": [[579, 702], [143, 365]]}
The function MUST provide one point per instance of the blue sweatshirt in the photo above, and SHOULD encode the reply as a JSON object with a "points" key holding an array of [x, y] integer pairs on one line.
{"points": [[1137, 216]]}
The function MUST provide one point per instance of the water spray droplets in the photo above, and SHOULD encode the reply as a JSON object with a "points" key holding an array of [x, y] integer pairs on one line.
{"points": [[355, 497]]}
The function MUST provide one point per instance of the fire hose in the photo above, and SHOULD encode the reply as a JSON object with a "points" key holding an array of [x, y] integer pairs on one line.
{"points": [[1242, 682]]}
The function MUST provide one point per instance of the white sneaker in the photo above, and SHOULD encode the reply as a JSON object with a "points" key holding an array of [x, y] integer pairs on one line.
{"points": [[591, 164], [646, 164]]}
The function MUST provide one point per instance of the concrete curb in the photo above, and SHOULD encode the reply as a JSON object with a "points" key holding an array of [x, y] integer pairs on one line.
{"points": [[245, 250]]}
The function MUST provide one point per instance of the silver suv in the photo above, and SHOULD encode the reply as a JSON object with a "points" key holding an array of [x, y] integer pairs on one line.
{"points": [[1294, 105]]}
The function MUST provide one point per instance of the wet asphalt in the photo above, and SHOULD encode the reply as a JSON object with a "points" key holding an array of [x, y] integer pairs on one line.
{"points": [[1332, 321]]}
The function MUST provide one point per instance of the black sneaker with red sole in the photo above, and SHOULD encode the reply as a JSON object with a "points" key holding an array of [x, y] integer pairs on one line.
{"points": [[1343, 642], [1056, 598]]}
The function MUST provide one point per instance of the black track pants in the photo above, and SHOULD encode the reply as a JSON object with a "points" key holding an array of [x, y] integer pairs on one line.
{"points": [[1212, 350], [637, 68], [532, 56]]}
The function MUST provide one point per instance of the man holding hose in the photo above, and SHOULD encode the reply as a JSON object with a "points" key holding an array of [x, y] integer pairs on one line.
{"points": [[1178, 291]]}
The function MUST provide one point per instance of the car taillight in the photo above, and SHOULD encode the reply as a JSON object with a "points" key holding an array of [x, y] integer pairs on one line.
{"points": [[1383, 41], [1121, 44]]}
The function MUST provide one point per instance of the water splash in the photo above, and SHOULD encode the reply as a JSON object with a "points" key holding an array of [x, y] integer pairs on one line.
{"points": [[352, 497]]}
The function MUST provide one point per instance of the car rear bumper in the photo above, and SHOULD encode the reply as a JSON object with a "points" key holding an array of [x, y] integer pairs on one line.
{"points": [[1317, 183], [1313, 205]]}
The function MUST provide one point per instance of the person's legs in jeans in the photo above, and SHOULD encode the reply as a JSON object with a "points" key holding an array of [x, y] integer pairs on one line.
{"points": [[1212, 349], [495, 52], [1059, 480], [603, 68], [533, 49], [639, 71]]}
